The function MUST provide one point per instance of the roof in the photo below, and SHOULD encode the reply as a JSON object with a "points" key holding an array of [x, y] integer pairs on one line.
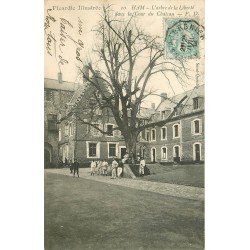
{"points": [[78, 94], [145, 113], [54, 84], [187, 105]]}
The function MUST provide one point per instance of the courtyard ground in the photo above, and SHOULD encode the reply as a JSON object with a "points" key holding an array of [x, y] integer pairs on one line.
{"points": [[189, 175], [84, 213]]}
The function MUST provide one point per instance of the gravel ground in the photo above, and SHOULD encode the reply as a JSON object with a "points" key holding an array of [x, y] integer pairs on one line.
{"points": [[188, 192]]}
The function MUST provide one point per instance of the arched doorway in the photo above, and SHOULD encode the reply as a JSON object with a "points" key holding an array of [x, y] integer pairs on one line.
{"points": [[197, 152], [47, 155], [176, 153], [47, 158]]}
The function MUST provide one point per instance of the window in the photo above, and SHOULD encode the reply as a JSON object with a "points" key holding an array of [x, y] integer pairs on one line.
{"points": [[112, 149], [164, 133], [164, 153], [176, 132], [147, 135], [52, 122], [93, 149], [176, 151], [196, 103], [196, 126], [143, 135], [153, 134], [66, 131], [60, 135], [163, 115], [48, 95], [70, 129], [110, 130]]}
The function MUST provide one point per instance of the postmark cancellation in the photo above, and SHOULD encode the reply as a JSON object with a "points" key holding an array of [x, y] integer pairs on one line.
{"points": [[182, 38]]}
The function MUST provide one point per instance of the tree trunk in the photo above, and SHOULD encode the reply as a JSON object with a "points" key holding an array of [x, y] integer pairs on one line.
{"points": [[130, 141]]}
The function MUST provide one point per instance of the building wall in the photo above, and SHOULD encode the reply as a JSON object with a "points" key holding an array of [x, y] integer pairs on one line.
{"points": [[78, 141], [54, 107], [185, 141]]}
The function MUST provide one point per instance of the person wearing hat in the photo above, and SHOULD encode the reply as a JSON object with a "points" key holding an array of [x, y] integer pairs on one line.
{"points": [[76, 168]]}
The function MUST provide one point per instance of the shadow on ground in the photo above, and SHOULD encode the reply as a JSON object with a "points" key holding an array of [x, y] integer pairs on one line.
{"points": [[189, 175]]}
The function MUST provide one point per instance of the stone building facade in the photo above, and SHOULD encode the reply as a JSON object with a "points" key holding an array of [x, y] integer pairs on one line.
{"points": [[57, 93], [67, 136], [181, 139]]}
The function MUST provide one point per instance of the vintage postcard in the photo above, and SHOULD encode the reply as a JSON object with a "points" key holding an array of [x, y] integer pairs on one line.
{"points": [[124, 134]]}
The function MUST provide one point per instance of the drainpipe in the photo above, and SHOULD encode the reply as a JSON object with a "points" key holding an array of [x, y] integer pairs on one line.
{"points": [[75, 120]]}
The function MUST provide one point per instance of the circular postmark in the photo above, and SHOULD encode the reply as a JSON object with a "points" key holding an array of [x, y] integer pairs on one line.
{"points": [[182, 38]]}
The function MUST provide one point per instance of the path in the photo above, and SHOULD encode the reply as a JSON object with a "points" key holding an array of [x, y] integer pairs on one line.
{"points": [[181, 191]]}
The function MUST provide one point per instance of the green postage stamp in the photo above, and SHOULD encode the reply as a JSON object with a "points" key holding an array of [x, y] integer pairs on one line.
{"points": [[182, 38]]}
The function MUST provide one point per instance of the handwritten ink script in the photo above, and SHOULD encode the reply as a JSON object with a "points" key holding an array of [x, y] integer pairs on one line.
{"points": [[67, 26], [60, 34]]}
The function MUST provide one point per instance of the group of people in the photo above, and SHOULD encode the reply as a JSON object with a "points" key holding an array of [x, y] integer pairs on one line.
{"points": [[102, 167], [74, 167]]}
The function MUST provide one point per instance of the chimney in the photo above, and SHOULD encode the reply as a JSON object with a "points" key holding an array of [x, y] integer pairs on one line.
{"points": [[164, 97], [60, 77], [153, 106], [85, 72]]}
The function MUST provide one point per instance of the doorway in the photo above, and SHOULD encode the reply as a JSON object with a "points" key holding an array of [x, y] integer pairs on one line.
{"points": [[123, 151], [197, 152], [176, 154], [153, 155], [47, 158]]}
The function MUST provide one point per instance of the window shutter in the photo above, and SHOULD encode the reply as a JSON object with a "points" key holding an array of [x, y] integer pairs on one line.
{"points": [[192, 127]]}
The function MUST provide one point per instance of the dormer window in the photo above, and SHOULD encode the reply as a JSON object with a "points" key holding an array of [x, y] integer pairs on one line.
{"points": [[110, 130], [196, 103], [163, 115]]}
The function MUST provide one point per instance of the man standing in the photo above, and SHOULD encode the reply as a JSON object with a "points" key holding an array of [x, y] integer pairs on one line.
{"points": [[114, 167], [76, 167], [92, 167], [71, 166], [142, 166], [105, 168], [119, 169]]}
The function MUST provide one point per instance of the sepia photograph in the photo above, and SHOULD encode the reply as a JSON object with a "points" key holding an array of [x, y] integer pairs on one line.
{"points": [[124, 125]]}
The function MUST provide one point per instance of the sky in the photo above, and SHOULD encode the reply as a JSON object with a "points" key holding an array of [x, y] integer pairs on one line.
{"points": [[68, 35]]}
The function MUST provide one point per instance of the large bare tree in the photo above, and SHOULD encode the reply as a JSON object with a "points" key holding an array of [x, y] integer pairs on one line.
{"points": [[126, 58]]}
